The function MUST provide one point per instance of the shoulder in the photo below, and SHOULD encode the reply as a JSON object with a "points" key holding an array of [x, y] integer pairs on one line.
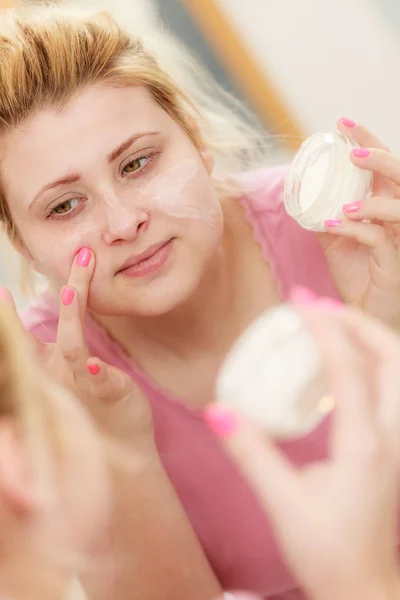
{"points": [[40, 317]]}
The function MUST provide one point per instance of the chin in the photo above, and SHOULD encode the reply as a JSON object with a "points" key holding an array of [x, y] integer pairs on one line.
{"points": [[153, 300]]}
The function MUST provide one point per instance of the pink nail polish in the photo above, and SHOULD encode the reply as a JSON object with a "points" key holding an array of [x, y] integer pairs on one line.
{"points": [[352, 207], [333, 222], [302, 295], [221, 421], [83, 257], [348, 122], [67, 296], [94, 369], [361, 152]]}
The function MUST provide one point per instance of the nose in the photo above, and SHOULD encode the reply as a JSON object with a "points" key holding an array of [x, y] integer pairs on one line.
{"points": [[123, 223]]}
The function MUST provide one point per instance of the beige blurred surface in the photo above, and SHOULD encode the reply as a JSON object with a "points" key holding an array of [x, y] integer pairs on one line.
{"points": [[75, 592]]}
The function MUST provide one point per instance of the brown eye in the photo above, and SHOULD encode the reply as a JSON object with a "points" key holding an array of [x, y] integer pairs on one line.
{"points": [[65, 207], [134, 165]]}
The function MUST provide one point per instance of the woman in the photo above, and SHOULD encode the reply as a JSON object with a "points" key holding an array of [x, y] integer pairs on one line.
{"points": [[177, 252]]}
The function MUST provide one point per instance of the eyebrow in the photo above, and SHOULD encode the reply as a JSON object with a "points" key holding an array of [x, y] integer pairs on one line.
{"points": [[74, 177]]}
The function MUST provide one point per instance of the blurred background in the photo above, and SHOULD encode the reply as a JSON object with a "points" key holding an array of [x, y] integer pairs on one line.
{"points": [[297, 64]]}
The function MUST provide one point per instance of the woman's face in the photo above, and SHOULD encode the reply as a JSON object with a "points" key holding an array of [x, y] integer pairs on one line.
{"points": [[112, 171]]}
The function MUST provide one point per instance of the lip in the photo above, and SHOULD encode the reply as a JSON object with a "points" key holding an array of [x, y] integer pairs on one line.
{"points": [[147, 262]]}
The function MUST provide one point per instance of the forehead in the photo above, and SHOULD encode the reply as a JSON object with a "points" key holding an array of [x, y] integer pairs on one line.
{"points": [[87, 128]]}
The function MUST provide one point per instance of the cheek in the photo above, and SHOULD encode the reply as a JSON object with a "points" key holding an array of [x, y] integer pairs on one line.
{"points": [[52, 252], [186, 192]]}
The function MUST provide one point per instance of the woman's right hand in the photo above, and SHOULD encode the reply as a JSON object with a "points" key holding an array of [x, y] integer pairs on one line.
{"points": [[337, 520], [118, 407]]}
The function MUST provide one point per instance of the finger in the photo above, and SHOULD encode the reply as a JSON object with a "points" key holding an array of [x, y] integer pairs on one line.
{"points": [[273, 478], [375, 208], [379, 161], [359, 134], [108, 383], [70, 338], [80, 276], [349, 379], [372, 235]]}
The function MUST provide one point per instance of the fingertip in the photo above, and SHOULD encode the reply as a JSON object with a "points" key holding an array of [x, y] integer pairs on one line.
{"points": [[93, 369], [84, 257], [346, 122], [333, 223], [93, 365], [221, 421], [67, 295]]}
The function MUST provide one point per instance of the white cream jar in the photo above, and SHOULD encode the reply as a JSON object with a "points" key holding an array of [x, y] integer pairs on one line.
{"points": [[321, 179], [274, 376]]}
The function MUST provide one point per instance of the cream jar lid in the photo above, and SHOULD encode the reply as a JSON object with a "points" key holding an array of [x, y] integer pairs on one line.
{"points": [[321, 179]]}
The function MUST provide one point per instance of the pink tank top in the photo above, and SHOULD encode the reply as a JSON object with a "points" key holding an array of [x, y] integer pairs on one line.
{"points": [[230, 524]]}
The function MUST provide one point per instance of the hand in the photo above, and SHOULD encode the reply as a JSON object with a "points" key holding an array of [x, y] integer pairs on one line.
{"points": [[114, 401], [336, 521], [364, 257]]}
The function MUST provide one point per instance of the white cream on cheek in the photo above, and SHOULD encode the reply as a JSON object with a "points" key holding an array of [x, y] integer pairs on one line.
{"points": [[165, 192]]}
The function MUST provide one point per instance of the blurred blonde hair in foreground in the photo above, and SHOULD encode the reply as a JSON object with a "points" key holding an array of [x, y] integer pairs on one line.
{"points": [[27, 398], [49, 52]]}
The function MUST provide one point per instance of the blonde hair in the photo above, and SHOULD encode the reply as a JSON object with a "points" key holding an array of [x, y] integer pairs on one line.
{"points": [[27, 397], [49, 53]]}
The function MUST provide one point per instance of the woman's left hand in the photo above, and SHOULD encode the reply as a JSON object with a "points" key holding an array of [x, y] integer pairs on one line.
{"points": [[363, 249]]}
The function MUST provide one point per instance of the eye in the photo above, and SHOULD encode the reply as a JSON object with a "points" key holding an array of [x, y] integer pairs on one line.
{"points": [[65, 207], [134, 165]]}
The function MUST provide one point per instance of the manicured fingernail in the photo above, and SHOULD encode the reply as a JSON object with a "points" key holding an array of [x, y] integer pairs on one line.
{"points": [[222, 422], [348, 122], [94, 369], [361, 152], [302, 295], [333, 222], [352, 207], [3, 294], [83, 257], [67, 296]]}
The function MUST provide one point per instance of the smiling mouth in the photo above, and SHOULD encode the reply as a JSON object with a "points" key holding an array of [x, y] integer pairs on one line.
{"points": [[151, 262]]}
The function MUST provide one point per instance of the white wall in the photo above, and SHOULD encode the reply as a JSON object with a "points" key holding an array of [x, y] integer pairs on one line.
{"points": [[329, 58]]}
